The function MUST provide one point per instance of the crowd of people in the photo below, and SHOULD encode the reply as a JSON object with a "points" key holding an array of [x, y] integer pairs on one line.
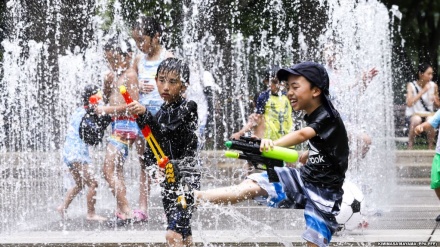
{"points": [[157, 84]]}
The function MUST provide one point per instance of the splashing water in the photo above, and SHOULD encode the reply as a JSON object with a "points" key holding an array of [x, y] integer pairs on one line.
{"points": [[35, 116]]}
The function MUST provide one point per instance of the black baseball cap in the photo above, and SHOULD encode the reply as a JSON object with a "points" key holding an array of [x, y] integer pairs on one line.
{"points": [[271, 72], [317, 75]]}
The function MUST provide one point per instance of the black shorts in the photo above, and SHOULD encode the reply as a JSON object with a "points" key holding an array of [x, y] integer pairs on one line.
{"points": [[179, 219]]}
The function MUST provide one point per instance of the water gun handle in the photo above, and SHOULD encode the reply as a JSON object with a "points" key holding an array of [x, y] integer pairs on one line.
{"points": [[128, 99], [279, 153], [259, 162]]}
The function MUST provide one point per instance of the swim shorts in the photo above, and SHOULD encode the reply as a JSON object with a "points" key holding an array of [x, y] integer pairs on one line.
{"points": [[179, 220], [320, 204]]}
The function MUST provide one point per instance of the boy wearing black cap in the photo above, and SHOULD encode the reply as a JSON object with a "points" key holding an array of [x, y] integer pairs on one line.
{"points": [[316, 186]]}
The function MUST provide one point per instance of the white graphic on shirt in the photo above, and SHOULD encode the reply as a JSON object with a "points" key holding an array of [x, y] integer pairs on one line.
{"points": [[314, 156]]}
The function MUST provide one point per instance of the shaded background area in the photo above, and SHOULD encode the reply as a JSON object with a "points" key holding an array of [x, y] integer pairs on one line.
{"points": [[52, 48], [416, 37], [416, 40], [261, 23]]}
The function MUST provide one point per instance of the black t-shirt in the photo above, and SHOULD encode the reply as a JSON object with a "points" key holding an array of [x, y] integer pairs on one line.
{"points": [[174, 127], [328, 150]]}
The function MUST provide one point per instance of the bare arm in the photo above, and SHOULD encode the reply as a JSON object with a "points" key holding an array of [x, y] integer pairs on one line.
{"points": [[107, 91], [261, 126], [425, 126], [303, 157], [130, 80], [254, 122], [135, 63], [365, 80], [367, 77], [293, 138], [132, 83], [111, 110], [436, 97], [411, 99]]}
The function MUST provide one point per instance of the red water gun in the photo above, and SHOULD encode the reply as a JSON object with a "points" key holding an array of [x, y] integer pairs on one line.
{"points": [[161, 158]]}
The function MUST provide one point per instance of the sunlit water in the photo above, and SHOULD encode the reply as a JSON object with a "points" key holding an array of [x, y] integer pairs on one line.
{"points": [[32, 180]]}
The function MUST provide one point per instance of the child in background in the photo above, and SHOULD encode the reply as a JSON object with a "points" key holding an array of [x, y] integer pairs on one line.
{"points": [[174, 127], [316, 186], [124, 127], [272, 118], [76, 157], [147, 32], [430, 125], [273, 114]]}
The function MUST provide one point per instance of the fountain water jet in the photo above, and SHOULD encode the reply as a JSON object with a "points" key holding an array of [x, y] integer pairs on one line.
{"points": [[32, 130]]}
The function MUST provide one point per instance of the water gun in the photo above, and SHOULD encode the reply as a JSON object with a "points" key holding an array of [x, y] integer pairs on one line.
{"points": [[94, 99], [267, 160], [161, 158], [171, 177]]}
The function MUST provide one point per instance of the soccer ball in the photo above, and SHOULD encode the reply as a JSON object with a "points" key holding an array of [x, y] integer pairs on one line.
{"points": [[350, 216]]}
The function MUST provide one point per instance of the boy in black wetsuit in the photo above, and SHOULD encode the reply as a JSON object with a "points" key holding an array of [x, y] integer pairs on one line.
{"points": [[316, 187], [174, 127]]}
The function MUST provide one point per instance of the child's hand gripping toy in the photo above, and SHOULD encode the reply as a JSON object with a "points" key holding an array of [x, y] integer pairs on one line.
{"points": [[92, 126], [266, 160], [171, 175]]}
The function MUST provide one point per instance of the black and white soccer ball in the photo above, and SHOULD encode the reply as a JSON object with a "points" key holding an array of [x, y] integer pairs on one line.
{"points": [[350, 216]]}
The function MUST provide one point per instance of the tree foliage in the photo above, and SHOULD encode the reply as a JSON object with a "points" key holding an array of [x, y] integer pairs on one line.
{"points": [[263, 24], [420, 30]]}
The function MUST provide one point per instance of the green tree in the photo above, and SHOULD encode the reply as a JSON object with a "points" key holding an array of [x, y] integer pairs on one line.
{"points": [[420, 31]]}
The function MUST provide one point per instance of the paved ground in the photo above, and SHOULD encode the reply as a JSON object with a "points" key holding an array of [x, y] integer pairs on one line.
{"points": [[405, 218]]}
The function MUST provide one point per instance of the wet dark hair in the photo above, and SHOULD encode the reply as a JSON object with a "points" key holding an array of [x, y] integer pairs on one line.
{"points": [[118, 45], [175, 65], [422, 69], [88, 91], [147, 25]]}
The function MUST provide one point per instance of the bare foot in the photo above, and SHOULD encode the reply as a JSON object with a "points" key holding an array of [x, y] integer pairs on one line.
{"points": [[61, 211], [96, 217]]}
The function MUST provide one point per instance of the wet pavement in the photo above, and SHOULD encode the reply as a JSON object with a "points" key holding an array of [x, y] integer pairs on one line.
{"points": [[403, 217], [406, 218]]}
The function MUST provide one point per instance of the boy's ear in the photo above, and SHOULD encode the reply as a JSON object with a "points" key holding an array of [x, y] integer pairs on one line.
{"points": [[316, 92], [184, 86]]}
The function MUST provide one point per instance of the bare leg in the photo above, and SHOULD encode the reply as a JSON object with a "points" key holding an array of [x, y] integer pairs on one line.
{"points": [[310, 244], [91, 200], [144, 182], [431, 136], [174, 239], [188, 241], [113, 164], [414, 121], [246, 190], [437, 193], [365, 143], [73, 192]]}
